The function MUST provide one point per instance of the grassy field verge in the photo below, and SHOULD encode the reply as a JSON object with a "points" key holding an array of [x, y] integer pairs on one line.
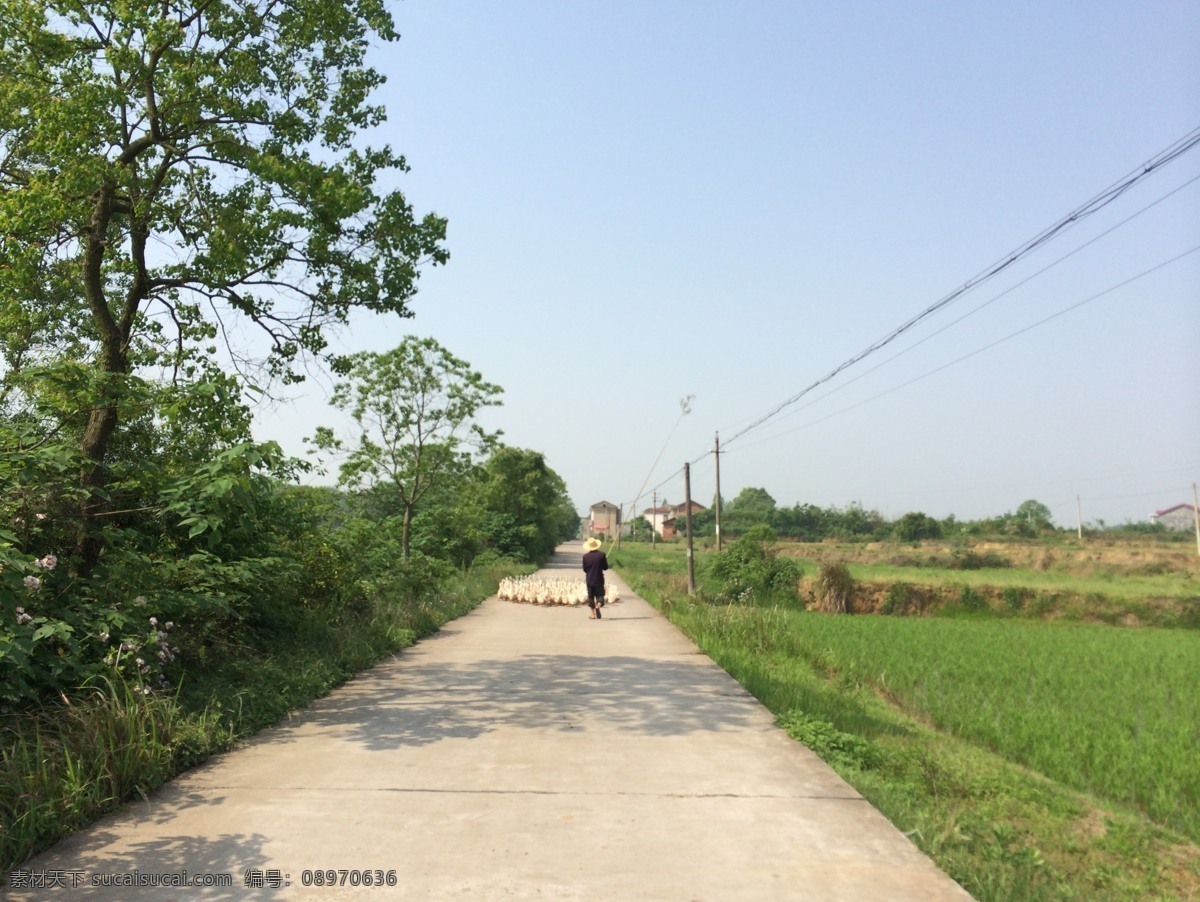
{"points": [[66, 765], [1133, 583], [916, 714]]}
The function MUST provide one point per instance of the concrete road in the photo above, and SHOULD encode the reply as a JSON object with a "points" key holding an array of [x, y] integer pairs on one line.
{"points": [[523, 752]]}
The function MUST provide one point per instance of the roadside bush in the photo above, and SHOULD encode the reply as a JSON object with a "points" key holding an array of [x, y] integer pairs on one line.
{"points": [[750, 571]]}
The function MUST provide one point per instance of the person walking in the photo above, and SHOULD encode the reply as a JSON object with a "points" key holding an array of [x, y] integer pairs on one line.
{"points": [[595, 562]]}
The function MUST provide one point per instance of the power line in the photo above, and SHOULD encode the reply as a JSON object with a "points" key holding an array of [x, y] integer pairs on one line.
{"points": [[990, 345], [1096, 203], [1091, 206], [1002, 294]]}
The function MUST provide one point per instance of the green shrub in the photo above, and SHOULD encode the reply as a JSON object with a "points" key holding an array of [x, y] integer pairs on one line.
{"points": [[971, 600], [914, 526], [1014, 598], [897, 599], [750, 571], [830, 743], [973, 560]]}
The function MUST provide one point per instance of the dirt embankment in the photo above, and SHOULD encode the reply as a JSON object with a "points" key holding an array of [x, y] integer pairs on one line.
{"points": [[1117, 557], [928, 590]]}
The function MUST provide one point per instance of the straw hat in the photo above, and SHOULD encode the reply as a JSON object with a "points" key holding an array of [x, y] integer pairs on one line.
{"points": [[592, 544]]}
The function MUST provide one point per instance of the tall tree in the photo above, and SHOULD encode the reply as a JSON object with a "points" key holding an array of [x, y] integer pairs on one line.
{"points": [[1034, 516], [169, 167], [517, 483], [416, 407]]}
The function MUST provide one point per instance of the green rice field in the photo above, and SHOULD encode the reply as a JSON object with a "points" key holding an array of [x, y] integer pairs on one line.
{"points": [[1108, 711]]}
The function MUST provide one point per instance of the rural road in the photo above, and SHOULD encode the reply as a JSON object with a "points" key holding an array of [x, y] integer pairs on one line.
{"points": [[522, 752]]}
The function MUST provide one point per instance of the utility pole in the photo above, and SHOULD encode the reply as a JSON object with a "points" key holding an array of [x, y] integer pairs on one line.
{"points": [[620, 522], [1079, 517], [653, 515], [1196, 516], [687, 506], [717, 455]]}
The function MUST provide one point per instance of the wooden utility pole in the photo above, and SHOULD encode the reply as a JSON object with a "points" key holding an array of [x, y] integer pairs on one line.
{"points": [[620, 523], [717, 503], [653, 514], [1079, 517], [1196, 516], [687, 507]]}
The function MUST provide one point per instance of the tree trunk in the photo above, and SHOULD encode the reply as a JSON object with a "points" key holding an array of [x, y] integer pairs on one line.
{"points": [[405, 530], [112, 366]]}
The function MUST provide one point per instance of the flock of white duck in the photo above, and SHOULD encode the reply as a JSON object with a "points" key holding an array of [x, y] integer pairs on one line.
{"points": [[550, 590]]}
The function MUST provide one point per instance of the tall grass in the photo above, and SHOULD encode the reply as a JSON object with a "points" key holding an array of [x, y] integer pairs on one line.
{"points": [[62, 766]]}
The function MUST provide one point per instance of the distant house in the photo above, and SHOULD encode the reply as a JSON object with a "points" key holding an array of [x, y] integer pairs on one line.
{"points": [[1181, 516], [664, 518], [604, 518]]}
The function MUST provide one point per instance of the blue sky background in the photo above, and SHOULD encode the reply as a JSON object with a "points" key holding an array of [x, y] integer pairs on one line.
{"points": [[650, 200]]}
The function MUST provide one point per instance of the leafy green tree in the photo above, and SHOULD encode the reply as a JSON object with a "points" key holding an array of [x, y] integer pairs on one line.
{"points": [[704, 522], [1035, 516], [415, 407], [854, 520], [518, 484], [752, 501], [639, 529], [802, 521], [914, 526], [752, 507], [167, 168]]}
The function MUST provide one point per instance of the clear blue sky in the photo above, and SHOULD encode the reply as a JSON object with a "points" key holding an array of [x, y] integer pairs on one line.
{"points": [[649, 200]]}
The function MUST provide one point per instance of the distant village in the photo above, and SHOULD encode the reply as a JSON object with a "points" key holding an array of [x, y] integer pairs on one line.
{"points": [[604, 519]]}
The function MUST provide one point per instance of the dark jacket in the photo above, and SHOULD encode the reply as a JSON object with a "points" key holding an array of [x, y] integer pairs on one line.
{"points": [[594, 565]]}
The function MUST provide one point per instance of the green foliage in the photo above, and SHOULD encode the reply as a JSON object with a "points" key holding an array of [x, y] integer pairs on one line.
{"points": [[1031, 691], [1031, 519], [528, 511], [829, 742], [1014, 598], [970, 599], [1035, 515], [804, 522], [897, 599], [752, 502], [914, 526], [193, 126], [639, 529], [190, 551], [415, 406], [750, 571]]}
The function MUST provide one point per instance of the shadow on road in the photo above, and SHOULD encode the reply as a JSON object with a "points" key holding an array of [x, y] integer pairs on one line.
{"points": [[222, 859], [428, 703]]}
